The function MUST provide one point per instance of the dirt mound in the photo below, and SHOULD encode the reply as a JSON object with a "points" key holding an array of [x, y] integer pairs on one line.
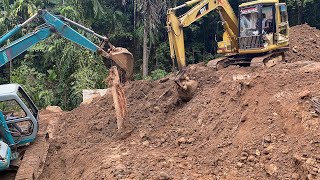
{"points": [[242, 123], [304, 44]]}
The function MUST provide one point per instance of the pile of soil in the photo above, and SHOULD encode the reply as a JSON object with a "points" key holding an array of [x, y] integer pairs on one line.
{"points": [[243, 123], [304, 43]]}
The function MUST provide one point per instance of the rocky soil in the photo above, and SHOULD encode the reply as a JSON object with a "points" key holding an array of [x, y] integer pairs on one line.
{"points": [[304, 44], [243, 123]]}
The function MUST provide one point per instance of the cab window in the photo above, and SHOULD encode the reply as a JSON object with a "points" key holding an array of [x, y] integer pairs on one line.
{"points": [[284, 24], [12, 110], [249, 21], [267, 19], [283, 13], [28, 102]]}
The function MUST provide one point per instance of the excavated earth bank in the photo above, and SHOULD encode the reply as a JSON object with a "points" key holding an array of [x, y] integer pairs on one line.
{"points": [[243, 123]]}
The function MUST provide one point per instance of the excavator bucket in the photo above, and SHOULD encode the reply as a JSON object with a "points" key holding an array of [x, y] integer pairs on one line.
{"points": [[187, 91], [123, 58], [186, 87]]}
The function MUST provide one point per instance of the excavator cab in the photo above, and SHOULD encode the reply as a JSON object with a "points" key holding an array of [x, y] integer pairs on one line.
{"points": [[20, 116], [263, 27], [18, 124]]}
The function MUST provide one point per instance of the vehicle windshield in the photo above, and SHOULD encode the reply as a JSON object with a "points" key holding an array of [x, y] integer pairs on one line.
{"points": [[249, 21], [28, 102]]}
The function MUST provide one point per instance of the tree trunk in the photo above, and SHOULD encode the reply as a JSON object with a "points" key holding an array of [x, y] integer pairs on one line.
{"points": [[119, 98], [299, 15], [135, 44], [150, 42], [145, 49], [134, 15]]}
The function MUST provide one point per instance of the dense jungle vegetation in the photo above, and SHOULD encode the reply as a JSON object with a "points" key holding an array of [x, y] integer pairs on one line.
{"points": [[55, 71]]}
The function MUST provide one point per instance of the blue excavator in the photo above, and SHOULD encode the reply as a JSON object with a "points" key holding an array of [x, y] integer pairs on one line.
{"points": [[60, 25], [19, 116]]}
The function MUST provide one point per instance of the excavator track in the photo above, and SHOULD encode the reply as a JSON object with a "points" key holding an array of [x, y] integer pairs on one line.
{"points": [[35, 155], [268, 60], [33, 159], [265, 60], [226, 61]]}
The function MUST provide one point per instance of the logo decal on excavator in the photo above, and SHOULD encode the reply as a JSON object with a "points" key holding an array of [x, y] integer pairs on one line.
{"points": [[203, 10]]}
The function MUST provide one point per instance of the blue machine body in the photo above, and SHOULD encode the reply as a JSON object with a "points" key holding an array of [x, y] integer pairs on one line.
{"points": [[11, 134], [5, 151], [9, 141]]}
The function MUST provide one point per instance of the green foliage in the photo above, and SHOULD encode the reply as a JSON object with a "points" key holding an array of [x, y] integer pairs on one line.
{"points": [[24, 8], [158, 74], [83, 78], [5, 5], [52, 76], [304, 11], [162, 57], [69, 11], [34, 83], [137, 76], [74, 69], [155, 75], [207, 57]]}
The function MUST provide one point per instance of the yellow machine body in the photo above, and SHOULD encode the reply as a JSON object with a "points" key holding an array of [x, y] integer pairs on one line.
{"points": [[236, 36]]}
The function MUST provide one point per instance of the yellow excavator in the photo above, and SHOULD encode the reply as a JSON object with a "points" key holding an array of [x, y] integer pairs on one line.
{"points": [[258, 36]]}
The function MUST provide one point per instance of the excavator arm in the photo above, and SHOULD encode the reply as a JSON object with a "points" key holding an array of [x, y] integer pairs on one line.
{"points": [[176, 24], [21, 45], [58, 24]]}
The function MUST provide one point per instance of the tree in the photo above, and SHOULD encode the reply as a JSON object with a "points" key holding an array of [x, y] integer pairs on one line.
{"points": [[150, 11], [304, 11]]}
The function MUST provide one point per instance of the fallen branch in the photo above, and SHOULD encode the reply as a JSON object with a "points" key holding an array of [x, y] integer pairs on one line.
{"points": [[163, 94]]}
